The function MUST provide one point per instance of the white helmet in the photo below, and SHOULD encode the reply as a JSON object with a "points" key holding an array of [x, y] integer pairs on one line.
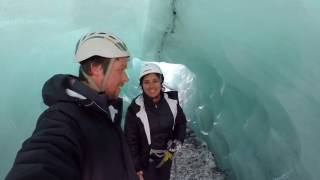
{"points": [[149, 68], [100, 44]]}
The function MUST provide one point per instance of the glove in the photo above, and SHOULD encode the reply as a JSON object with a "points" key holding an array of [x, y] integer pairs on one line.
{"points": [[174, 146], [167, 155]]}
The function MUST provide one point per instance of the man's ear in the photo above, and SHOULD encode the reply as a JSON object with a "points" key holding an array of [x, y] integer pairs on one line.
{"points": [[95, 69]]}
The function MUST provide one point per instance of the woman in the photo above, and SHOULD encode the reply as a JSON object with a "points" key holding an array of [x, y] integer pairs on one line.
{"points": [[155, 126]]}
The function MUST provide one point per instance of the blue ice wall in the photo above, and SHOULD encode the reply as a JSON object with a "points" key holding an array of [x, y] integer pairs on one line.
{"points": [[37, 40], [257, 68], [255, 94]]}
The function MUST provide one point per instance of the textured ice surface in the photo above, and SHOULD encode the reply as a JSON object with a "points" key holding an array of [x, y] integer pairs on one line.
{"points": [[252, 87]]}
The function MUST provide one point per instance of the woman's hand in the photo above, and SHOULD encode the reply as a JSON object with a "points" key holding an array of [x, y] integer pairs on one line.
{"points": [[140, 175], [174, 146]]}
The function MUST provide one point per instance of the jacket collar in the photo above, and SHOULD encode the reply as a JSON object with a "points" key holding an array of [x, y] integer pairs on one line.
{"points": [[94, 100]]}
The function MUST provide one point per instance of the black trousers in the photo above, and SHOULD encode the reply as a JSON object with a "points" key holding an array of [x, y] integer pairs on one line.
{"points": [[162, 173]]}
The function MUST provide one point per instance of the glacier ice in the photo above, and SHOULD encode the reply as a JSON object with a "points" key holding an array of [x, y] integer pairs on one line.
{"points": [[249, 84]]}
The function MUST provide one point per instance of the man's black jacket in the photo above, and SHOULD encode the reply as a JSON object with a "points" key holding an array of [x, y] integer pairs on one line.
{"points": [[77, 138]]}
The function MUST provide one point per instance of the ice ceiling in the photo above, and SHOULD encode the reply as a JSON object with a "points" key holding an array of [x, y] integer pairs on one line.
{"points": [[248, 80]]}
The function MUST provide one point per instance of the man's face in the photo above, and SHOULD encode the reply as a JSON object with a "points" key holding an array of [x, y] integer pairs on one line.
{"points": [[116, 77]]}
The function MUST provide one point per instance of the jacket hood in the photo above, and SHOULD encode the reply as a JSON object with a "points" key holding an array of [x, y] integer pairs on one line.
{"points": [[68, 88], [54, 90]]}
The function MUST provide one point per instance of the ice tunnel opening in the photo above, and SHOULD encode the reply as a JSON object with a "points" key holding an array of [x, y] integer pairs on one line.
{"points": [[176, 77], [181, 78]]}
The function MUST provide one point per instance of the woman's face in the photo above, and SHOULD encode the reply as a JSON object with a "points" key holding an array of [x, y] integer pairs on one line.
{"points": [[151, 85]]}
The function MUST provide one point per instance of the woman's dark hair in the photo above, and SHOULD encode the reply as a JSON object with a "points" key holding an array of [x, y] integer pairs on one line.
{"points": [[160, 76], [96, 60]]}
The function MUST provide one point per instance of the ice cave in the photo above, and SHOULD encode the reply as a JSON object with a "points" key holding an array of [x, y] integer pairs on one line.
{"points": [[247, 72]]}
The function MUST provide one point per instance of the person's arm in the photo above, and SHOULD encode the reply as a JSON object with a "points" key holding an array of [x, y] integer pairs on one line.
{"points": [[52, 152], [131, 131], [180, 125]]}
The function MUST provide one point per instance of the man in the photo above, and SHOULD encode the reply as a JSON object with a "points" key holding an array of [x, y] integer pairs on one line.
{"points": [[79, 135]]}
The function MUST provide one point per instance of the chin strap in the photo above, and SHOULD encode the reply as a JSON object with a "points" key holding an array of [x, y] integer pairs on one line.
{"points": [[89, 81], [106, 75], [92, 84]]}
